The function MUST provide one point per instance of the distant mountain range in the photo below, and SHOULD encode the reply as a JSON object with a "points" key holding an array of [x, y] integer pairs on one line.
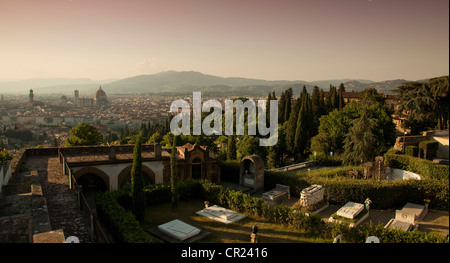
{"points": [[173, 82]]}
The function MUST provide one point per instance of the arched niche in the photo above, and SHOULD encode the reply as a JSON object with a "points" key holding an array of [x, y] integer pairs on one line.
{"points": [[252, 172]]}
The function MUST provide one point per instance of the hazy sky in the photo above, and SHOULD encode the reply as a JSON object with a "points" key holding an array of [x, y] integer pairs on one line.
{"points": [[276, 39]]}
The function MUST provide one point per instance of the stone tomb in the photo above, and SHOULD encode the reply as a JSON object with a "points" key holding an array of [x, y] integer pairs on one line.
{"points": [[406, 218], [350, 210], [179, 229], [312, 198], [221, 214], [312, 195], [277, 195]]}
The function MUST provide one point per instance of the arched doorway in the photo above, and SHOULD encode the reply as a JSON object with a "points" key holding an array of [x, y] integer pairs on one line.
{"points": [[196, 169], [125, 176], [92, 180], [91, 184]]}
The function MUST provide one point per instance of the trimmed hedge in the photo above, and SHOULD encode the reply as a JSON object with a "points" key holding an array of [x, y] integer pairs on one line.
{"points": [[426, 168], [339, 188], [360, 233], [412, 151], [244, 203], [121, 223]]}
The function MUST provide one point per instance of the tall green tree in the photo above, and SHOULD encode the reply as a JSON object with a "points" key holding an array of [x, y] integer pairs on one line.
{"points": [[84, 134], [291, 126], [269, 98], [231, 151], [288, 104], [303, 129], [371, 134], [276, 153], [316, 109], [137, 181], [333, 129], [281, 107], [341, 91], [425, 104], [174, 174], [361, 142]]}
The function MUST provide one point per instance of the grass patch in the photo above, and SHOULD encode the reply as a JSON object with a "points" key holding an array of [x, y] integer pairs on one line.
{"points": [[236, 232]]}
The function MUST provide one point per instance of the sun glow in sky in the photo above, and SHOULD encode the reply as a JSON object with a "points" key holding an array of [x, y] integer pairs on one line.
{"points": [[265, 39]]}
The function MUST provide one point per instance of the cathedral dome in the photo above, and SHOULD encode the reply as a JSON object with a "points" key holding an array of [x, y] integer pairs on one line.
{"points": [[100, 94]]}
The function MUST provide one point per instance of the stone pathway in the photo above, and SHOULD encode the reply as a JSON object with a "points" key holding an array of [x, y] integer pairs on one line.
{"points": [[61, 201], [16, 218], [18, 203]]}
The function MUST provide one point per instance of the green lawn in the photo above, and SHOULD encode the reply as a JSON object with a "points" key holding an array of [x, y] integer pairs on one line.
{"points": [[236, 232]]}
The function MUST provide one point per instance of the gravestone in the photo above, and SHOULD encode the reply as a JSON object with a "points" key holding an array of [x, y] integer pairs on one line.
{"points": [[312, 195], [220, 214], [350, 210], [277, 195], [179, 229], [410, 213]]}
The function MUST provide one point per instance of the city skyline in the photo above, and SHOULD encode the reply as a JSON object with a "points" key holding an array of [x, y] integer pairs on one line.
{"points": [[272, 40]]}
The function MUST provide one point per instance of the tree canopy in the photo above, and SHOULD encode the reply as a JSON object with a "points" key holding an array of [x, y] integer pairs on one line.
{"points": [[425, 104], [84, 134]]}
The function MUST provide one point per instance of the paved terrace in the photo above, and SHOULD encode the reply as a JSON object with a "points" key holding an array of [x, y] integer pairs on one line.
{"points": [[110, 154], [38, 200]]}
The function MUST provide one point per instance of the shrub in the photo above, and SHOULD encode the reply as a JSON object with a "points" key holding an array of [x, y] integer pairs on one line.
{"points": [[339, 188], [360, 233], [325, 159], [121, 223], [426, 168], [412, 151]]}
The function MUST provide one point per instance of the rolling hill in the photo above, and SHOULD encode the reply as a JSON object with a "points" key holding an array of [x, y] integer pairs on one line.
{"points": [[174, 82]]}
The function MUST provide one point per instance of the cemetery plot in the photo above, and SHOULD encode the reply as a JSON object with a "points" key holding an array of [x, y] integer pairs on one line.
{"points": [[350, 210], [352, 213], [277, 195], [407, 217], [312, 198], [177, 231], [221, 214]]}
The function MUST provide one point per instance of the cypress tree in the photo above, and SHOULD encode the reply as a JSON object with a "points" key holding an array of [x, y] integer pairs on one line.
{"points": [[322, 108], [282, 108], [137, 181], [315, 110], [292, 126], [341, 101], [303, 129], [174, 174], [231, 153], [288, 104], [269, 98]]}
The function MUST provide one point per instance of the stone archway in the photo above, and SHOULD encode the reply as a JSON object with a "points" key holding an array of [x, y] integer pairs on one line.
{"points": [[92, 179], [125, 176], [196, 161]]}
